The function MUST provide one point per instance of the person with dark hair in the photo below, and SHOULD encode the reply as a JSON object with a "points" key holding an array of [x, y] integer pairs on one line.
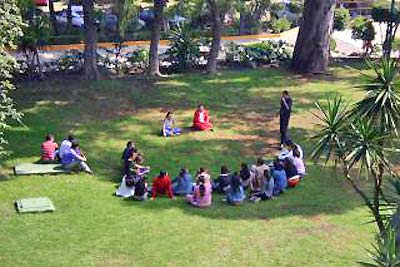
{"points": [[127, 185], [74, 159], [168, 128], [130, 148], [183, 183], [245, 175], [258, 169], [267, 189], [279, 176], [141, 186], [284, 116], [49, 150], [162, 186], [65, 145], [202, 196], [201, 119], [291, 172], [235, 194], [293, 146], [299, 163], [221, 185]]}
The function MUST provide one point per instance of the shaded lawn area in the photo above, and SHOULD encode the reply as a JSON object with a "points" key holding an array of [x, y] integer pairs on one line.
{"points": [[320, 223]]}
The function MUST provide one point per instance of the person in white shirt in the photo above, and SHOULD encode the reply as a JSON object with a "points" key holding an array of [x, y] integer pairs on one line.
{"points": [[65, 145]]}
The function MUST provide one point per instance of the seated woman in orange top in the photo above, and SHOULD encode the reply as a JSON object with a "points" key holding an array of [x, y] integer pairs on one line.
{"points": [[201, 120]]}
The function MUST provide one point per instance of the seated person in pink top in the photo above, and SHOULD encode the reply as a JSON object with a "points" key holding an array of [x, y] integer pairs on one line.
{"points": [[202, 196], [49, 150]]}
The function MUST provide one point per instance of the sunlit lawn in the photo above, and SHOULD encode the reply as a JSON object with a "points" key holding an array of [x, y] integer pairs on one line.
{"points": [[320, 223]]}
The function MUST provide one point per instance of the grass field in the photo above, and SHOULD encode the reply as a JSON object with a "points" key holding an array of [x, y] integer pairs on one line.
{"points": [[320, 223]]}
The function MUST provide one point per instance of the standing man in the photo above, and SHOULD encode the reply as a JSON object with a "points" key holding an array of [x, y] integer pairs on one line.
{"points": [[284, 116]]}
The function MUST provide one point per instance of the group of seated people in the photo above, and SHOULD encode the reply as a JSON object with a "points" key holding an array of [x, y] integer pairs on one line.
{"points": [[201, 122], [261, 181], [69, 154]]}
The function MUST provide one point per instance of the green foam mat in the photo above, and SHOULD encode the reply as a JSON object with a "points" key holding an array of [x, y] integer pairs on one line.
{"points": [[32, 169], [28, 205]]}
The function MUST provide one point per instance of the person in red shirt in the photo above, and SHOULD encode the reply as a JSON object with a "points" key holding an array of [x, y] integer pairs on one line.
{"points": [[201, 119], [48, 149], [162, 186]]}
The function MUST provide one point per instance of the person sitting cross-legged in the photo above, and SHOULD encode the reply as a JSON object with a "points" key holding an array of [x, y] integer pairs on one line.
{"points": [[49, 150], [235, 195], [221, 185], [168, 128], [280, 179], [162, 186], [267, 188], [292, 175], [202, 196], [201, 119], [183, 183], [73, 159]]}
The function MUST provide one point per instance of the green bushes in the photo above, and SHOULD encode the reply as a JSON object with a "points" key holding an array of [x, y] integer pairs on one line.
{"points": [[266, 52], [362, 29], [341, 19], [280, 25], [184, 51]]}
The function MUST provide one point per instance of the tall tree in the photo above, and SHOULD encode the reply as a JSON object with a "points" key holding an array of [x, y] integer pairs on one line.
{"points": [[10, 25], [90, 53], [154, 61], [69, 16], [216, 27], [53, 17], [311, 53]]}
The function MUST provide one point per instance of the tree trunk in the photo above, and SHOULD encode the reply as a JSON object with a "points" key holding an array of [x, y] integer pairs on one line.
{"points": [[69, 16], [154, 61], [216, 27], [90, 53], [242, 23], [311, 53], [390, 27], [53, 17]]}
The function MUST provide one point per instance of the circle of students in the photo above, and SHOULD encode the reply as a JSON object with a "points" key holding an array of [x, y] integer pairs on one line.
{"points": [[262, 181]]}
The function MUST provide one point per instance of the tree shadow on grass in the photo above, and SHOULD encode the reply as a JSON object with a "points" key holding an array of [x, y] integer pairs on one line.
{"points": [[318, 195], [104, 115]]}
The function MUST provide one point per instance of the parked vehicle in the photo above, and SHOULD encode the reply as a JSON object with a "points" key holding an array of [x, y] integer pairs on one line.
{"points": [[41, 2], [147, 15], [77, 16]]}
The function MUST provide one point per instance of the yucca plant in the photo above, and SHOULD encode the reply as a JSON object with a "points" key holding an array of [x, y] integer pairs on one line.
{"points": [[385, 253], [353, 144], [381, 104], [331, 127]]}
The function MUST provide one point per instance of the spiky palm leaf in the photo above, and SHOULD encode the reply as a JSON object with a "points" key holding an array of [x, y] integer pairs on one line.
{"points": [[332, 123], [364, 146], [385, 253], [381, 104]]}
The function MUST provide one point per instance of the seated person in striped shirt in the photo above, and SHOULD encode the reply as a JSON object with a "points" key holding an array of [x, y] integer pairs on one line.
{"points": [[49, 150]]}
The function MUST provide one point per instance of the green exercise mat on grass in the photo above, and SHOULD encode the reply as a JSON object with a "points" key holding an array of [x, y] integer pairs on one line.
{"points": [[40, 204], [34, 168]]}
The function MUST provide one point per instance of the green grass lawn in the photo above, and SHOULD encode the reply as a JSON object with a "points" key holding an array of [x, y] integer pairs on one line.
{"points": [[320, 223]]}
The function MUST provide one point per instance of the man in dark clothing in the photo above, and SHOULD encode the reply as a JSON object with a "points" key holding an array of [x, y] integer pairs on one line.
{"points": [[284, 116]]}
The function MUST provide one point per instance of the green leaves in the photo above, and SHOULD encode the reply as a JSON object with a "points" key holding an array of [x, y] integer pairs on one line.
{"points": [[385, 253], [381, 104], [10, 25], [331, 126], [342, 137]]}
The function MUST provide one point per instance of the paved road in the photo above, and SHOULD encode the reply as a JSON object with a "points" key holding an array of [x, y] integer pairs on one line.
{"points": [[345, 45]]}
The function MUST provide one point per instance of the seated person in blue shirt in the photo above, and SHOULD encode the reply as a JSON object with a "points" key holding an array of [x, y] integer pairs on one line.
{"points": [[74, 159], [183, 183], [168, 128], [235, 195], [279, 176]]}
